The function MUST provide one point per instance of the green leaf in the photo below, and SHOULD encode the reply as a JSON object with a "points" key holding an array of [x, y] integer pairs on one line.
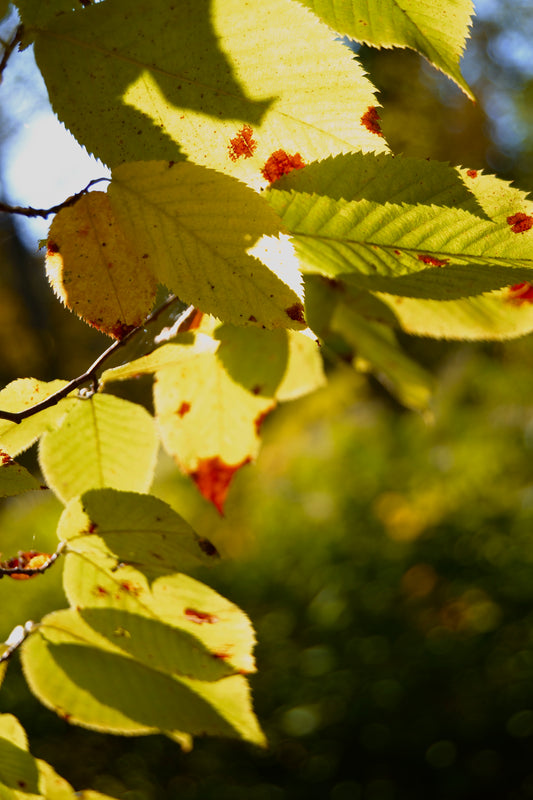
{"points": [[373, 246], [14, 478], [103, 441], [377, 349], [22, 776], [187, 79], [22, 394], [211, 240], [207, 421], [85, 677], [438, 30], [96, 270], [219, 633], [18, 769], [134, 529]]}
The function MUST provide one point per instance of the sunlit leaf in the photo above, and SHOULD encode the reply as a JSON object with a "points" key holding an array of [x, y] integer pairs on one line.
{"points": [[14, 478], [187, 79], [135, 529], [437, 29], [103, 441], [20, 395], [96, 269], [87, 679], [203, 233], [207, 421]]}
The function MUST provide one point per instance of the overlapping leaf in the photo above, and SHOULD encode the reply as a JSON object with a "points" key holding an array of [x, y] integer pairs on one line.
{"points": [[450, 234], [437, 29], [134, 659], [103, 441], [95, 268], [196, 230], [187, 79], [129, 528], [212, 393], [14, 478], [23, 776], [206, 236]]}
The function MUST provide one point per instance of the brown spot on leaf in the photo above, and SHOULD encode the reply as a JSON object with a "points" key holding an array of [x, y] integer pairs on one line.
{"points": [[200, 617], [92, 527], [196, 320], [243, 144], [521, 293], [208, 548], [251, 318], [131, 588], [120, 330], [520, 222], [256, 389], [221, 656], [370, 120], [183, 409], [296, 313], [281, 163], [432, 261], [101, 591], [5, 458], [472, 173], [213, 477], [52, 248]]}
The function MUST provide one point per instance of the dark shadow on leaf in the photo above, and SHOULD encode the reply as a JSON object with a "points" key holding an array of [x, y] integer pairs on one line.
{"points": [[255, 358], [91, 57]]}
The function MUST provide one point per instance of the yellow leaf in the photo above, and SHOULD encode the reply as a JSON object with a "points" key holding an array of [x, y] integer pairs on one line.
{"points": [[95, 269]]}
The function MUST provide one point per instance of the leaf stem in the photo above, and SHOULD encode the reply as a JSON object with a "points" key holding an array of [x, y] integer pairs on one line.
{"points": [[90, 375], [25, 631], [30, 571]]}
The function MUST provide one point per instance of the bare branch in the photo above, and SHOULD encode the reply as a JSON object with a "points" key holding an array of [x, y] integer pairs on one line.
{"points": [[45, 212], [90, 376]]}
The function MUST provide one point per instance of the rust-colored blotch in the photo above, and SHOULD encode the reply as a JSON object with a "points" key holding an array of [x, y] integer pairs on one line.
{"points": [[520, 222], [281, 163], [432, 261], [521, 293], [370, 120], [200, 617], [213, 477], [243, 145]]}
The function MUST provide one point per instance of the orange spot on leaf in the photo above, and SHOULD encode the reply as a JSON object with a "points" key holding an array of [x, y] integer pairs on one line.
{"points": [[521, 293], [281, 163], [5, 458], [184, 409], [370, 120], [472, 173], [243, 144], [520, 222], [434, 262], [132, 588], [200, 616], [119, 330], [213, 478]]}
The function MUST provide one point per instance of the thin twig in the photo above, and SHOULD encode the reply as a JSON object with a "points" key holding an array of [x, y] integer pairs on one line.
{"points": [[8, 49], [45, 212], [30, 571], [89, 376], [21, 637]]}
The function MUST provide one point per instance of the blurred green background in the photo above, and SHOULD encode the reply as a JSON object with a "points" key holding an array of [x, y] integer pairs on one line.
{"points": [[385, 558]]}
